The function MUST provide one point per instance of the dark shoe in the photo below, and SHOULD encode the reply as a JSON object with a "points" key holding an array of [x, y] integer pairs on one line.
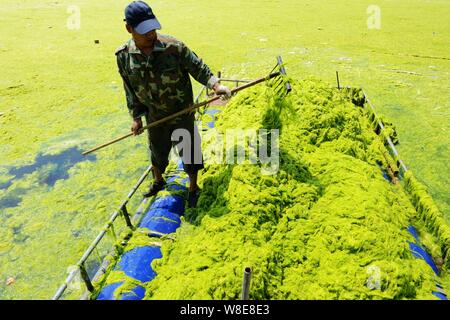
{"points": [[155, 187], [193, 198]]}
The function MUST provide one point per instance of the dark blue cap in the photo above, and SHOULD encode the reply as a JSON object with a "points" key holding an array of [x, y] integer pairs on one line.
{"points": [[140, 16]]}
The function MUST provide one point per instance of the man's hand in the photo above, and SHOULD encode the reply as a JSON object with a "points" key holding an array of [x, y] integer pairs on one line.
{"points": [[222, 91], [136, 127]]}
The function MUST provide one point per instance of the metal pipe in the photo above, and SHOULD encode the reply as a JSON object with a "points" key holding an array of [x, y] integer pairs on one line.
{"points": [[126, 216], [246, 283], [63, 287], [86, 279], [60, 292], [337, 78]]}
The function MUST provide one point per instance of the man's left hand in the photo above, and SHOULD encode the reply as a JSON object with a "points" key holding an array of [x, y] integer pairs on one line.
{"points": [[222, 90]]}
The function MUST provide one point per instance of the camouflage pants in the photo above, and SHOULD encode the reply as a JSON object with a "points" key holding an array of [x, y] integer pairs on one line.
{"points": [[182, 134]]}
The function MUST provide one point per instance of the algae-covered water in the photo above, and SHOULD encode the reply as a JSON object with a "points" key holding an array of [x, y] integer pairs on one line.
{"points": [[60, 93]]}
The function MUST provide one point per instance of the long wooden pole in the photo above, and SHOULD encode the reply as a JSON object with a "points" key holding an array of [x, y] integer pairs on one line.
{"points": [[187, 110]]}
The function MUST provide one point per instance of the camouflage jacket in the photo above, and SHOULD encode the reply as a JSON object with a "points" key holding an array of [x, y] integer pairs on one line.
{"points": [[158, 85]]}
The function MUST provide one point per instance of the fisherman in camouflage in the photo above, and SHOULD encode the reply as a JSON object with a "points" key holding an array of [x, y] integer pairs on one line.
{"points": [[155, 70]]}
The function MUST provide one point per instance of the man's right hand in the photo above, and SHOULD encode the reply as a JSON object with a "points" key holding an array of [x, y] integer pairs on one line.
{"points": [[222, 91], [136, 127]]}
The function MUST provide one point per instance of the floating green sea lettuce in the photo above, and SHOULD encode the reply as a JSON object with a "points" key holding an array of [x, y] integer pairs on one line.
{"points": [[326, 226]]}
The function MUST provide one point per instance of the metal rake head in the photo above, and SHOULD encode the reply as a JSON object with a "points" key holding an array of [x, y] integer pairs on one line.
{"points": [[281, 84]]}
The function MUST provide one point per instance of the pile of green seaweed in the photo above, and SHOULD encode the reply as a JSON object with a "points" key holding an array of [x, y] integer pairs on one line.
{"points": [[327, 225]]}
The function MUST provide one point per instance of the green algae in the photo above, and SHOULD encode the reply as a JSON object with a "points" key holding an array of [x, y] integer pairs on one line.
{"points": [[431, 218], [61, 94], [318, 229]]}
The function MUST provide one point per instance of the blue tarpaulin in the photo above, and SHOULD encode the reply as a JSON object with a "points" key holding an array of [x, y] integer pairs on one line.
{"points": [[163, 217]]}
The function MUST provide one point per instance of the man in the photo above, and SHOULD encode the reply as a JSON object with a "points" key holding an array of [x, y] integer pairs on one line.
{"points": [[155, 70]]}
